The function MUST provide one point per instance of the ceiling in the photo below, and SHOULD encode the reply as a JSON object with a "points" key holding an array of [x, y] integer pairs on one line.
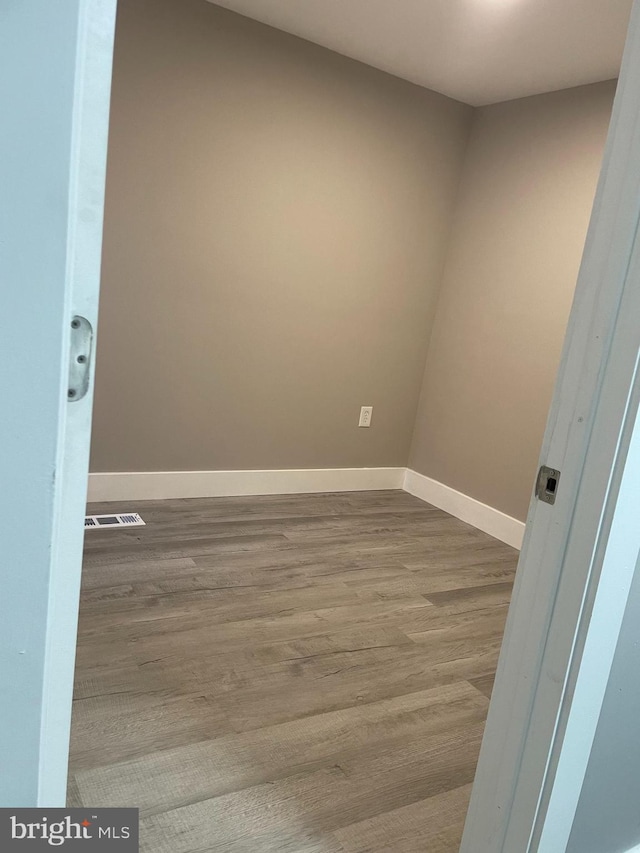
{"points": [[477, 51]]}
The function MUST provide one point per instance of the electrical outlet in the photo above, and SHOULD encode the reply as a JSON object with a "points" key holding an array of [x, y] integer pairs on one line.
{"points": [[366, 413]]}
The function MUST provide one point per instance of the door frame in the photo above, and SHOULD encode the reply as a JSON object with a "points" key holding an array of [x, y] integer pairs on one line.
{"points": [[576, 558], [55, 79], [87, 182]]}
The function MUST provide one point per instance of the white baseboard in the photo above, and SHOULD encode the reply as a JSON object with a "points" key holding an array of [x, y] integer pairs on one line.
{"points": [[160, 485], [486, 518]]}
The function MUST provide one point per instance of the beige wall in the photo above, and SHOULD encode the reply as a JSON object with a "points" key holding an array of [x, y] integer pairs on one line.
{"points": [[277, 223], [519, 230], [276, 220]]}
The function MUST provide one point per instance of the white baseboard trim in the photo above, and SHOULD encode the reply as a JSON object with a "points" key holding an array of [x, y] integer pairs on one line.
{"points": [[161, 485], [486, 518]]}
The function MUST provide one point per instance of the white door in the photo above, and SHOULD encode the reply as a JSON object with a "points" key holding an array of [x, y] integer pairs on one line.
{"points": [[580, 554], [55, 74]]}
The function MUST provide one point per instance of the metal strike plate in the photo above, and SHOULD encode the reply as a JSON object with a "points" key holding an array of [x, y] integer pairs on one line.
{"points": [[547, 484], [79, 358]]}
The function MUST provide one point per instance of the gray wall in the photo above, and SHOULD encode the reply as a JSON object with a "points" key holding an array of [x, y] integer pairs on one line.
{"points": [[276, 222], [519, 230], [283, 225]]}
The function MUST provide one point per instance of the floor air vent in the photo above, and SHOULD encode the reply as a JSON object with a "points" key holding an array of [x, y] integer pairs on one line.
{"points": [[121, 519]]}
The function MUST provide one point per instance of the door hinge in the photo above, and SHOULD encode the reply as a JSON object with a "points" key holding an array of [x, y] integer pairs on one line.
{"points": [[547, 484], [80, 349]]}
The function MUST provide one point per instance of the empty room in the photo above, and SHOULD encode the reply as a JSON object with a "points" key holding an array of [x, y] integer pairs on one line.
{"points": [[341, 244]]}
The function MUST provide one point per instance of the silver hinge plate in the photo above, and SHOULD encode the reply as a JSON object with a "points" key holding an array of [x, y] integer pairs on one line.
{"points": [[79, 358], [547, 484]]}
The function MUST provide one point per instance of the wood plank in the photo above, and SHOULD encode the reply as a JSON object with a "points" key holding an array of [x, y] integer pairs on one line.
{"points": [[473, 597], [176, 777], [153, 636], [428, 826], [124, 725], [484, 684], [309, 807]]}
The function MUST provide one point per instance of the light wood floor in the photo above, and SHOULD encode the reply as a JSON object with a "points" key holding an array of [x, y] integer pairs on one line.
{"points": [[290, 674]]}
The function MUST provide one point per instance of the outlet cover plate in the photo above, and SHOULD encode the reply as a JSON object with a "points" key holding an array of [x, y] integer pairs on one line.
{"points": [[366, 414]]}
